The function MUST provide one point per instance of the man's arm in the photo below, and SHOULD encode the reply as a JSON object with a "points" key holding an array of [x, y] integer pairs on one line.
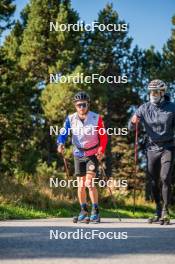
{"points": [[61, 139], [136, 118]]}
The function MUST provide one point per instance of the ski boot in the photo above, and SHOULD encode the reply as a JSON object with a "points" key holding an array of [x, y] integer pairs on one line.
{"points": [[95, 216], [82, 218], [156, 217], [165, 218]]}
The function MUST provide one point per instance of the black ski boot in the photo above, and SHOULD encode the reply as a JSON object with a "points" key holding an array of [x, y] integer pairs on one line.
{"points": [[156, 217], [165, 217]]}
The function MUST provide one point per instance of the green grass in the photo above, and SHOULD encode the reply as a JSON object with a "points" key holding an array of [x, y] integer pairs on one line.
{"points": [[12, 211]]}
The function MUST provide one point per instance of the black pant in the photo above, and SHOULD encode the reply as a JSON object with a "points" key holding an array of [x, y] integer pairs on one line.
{"points": [[160, 166], [85, 164]]}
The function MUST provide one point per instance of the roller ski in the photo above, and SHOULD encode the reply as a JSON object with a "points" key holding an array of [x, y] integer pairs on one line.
{"points": [[82, 218], [95, 216], [156, 217], [165, 218]]}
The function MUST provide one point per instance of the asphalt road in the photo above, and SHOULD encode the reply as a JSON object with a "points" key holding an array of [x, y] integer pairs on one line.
{"points": [[56, 241]]}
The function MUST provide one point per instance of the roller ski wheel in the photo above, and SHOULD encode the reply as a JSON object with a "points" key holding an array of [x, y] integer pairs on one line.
{"points": [[154, 219], [75, 219], [85, 220], [82, 218], [165, 220], [96, 221], [157, 215]]}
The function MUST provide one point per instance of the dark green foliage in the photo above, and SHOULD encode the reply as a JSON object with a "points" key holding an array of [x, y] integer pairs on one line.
{"points": [[7, 9], [29, 104]]}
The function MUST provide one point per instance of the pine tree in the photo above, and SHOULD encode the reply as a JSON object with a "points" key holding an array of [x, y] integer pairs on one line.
{"points": [[7, 9], [57, 97], [41, 48], [19, 103], [44, 52], [108, 53]]}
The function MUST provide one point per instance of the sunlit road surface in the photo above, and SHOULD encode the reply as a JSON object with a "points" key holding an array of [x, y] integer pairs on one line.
{"points": [[38, 241]]}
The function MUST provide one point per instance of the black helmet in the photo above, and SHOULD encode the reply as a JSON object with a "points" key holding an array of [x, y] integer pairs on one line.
{"points": [[157, 85], [81, 96]]}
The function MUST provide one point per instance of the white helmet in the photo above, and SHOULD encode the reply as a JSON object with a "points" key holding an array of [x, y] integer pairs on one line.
{"points": [[157, 85]]}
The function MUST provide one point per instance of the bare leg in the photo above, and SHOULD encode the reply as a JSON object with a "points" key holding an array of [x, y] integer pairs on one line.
{"points": [[93, 193], [82, 190]]}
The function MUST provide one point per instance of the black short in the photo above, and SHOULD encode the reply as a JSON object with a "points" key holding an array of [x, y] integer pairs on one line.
{"points": [[85, 164]]}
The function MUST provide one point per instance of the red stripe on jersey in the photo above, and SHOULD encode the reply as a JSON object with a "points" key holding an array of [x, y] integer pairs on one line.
{"points": [[102, 136]]}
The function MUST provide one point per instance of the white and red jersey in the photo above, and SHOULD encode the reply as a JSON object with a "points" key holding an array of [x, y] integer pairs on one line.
{"points": [[88, 136]]}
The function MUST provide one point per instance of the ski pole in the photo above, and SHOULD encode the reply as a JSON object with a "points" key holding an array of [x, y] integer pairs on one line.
{"points": [[110, 191], [65, 165], [135, 162], [67, 172]]}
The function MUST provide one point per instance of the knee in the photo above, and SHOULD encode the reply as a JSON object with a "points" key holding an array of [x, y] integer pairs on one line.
{"points": [[89, 184], [81, 188], [165, 180]]}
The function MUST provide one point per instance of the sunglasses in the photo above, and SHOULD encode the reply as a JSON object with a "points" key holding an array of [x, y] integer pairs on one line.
{"points": [[155, 93], [82, 105]]}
